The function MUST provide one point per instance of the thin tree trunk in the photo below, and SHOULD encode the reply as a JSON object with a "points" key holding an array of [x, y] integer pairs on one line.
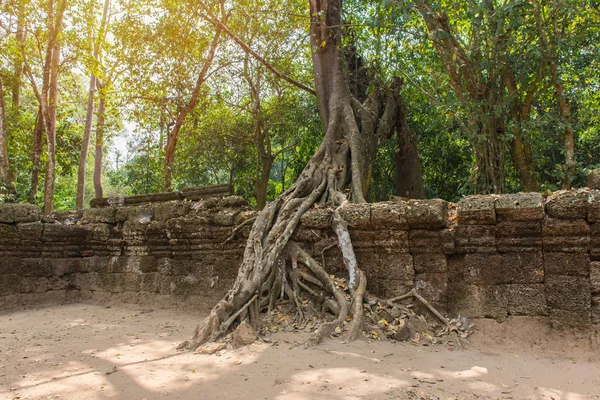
{"points": [[20, 36], [6, 178], [50, 180], [409, 177], [174, 134], [80, 199], [36, 156], [100, 128]]}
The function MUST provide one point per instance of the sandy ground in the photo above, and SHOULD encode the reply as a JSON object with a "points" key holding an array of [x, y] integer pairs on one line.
{"points": [[123, 352]]}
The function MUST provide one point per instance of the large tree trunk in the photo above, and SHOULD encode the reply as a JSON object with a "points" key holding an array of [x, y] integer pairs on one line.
{"points": [[100, 128], [50, 119], [6, 178], [409, 177], [352, 132]]}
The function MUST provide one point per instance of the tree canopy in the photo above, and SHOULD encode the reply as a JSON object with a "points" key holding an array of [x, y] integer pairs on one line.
{"points": [[497, 96]]}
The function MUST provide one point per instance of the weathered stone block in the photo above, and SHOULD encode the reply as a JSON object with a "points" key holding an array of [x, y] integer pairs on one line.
{"points": [[10, 265], [232, 202], [397, 267], [568, 204], [389, 214], [520, 207], [357, 215], [430, 263], [86, 281], [171, 209], [56, 283], [425, 241], [391, 287], [25, 213], [427, 214], [98, 232], [522, 267], [104, 215], [149, 282], [432, 286], [62, 233], [477, 210], [10, 284], [570, 293], [7, 215], [139, 214], [30, 230], [518, 236], [561, 235], [317, 218], [595, 241], [225, 217], [474, 301], [448, 237], [9, 234], [595, 277], [475, 239], [575, 264], [527, 299], [33, 285]]}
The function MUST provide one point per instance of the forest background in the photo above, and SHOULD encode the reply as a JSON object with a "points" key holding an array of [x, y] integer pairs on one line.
{"points": [[120, 97]]}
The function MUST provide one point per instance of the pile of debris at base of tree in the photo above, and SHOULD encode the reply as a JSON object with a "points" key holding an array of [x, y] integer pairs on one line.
{"points": [[384, 320]]}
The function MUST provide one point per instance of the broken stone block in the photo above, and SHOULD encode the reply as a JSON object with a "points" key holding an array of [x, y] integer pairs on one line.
{"points": [[568, 204], [477, 210], [427, 214], [244, 335], [520, 207]]}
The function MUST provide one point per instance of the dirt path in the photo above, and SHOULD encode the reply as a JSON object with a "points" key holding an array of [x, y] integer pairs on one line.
{"points": [[65, 352]]}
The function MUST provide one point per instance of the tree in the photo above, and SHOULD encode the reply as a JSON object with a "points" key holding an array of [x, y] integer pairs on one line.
{"points": [[6, 177], [48, 96], [353, 132], [97, 43]]}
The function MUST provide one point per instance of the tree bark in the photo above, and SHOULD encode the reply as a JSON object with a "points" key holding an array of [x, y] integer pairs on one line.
{"points": [[20, 36], [189, 107], [81, 172], [100, 128]]}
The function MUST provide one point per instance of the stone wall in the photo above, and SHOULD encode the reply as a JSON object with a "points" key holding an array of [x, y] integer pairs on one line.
{"points": [[486, 256]]}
